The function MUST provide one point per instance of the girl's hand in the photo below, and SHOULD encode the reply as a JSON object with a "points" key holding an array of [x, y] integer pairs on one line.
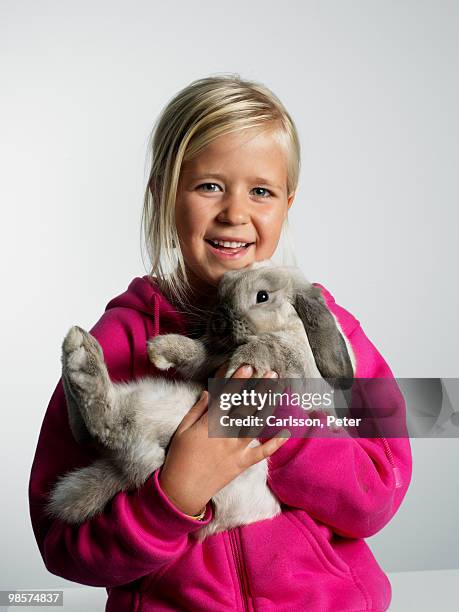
{"points": [[196, 466]]}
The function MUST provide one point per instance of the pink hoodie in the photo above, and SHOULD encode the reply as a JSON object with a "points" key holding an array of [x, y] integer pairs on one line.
{"points": [[334, 492]]}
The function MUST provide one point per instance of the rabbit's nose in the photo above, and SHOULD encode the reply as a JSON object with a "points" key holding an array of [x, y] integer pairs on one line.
{"points": [[220, 322]]}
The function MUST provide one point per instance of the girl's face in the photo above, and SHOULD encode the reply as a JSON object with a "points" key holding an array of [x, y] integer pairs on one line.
{"points": [[234, 191]]}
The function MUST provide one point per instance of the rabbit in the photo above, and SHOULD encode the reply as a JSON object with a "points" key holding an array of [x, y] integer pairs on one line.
{"points": [[267, 316]]}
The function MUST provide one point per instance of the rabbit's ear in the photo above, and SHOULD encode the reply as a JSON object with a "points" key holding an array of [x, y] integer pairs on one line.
{"points": [[327, 343]]}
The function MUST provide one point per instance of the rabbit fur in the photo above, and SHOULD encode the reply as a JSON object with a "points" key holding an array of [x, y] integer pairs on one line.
{"points": [[293, 333]]}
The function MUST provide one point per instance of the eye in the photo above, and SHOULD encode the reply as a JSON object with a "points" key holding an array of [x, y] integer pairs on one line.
{"points": [[265, 190], [262, 296], [207, 185]]}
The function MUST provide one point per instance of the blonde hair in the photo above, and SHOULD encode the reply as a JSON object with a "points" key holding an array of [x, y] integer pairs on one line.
{"points": [[204, 110]]}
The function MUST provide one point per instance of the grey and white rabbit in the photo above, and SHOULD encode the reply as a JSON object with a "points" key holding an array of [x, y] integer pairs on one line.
{"points": [[267, 316]]}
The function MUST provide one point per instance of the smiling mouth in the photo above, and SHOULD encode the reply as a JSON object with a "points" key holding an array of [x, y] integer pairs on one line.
{"points": [[229, 247]]}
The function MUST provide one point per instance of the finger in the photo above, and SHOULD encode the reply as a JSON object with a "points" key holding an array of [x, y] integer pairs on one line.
{"points": [[262, 404], [244, 371], [268, 382], [242, 374], [276, 398], [245, 382], [258, 453], [258, 389], [265, 388], [195, 412], [228, 385], [220, 373]]}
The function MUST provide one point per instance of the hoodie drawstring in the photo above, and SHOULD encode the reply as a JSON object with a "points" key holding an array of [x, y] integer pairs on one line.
{"points": [[156, 315]]}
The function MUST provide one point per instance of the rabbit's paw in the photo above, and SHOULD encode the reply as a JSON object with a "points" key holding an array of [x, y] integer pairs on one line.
{"points": [[166, 351], [259, 367], [83, 368], [256, 354]]}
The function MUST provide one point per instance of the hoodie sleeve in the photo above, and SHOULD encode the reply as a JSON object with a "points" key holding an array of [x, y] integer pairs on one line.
{"points": [[354, 485], [140, 530]]}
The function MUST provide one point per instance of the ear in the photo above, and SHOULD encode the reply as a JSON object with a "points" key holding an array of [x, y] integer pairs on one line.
{"points": [[327, 343]]}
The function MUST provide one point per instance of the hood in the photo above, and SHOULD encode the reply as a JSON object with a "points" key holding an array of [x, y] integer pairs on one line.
{"points": [[143, 294]]}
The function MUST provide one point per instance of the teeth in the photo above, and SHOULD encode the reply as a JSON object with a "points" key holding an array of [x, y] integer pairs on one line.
{"points": [[232, 245]]}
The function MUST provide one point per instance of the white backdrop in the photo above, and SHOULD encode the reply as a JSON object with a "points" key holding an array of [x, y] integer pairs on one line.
{"points": [[373, 88]]}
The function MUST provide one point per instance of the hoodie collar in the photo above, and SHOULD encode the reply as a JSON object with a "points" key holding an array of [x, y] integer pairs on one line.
{"points": [[143, 294]]}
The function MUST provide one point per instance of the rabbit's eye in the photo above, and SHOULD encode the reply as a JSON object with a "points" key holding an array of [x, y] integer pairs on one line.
{"points": [[262, 296]]}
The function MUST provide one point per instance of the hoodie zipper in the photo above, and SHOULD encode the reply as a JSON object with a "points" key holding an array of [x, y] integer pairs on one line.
{"points": [[239, 565], [395, 469], [389, 455]]}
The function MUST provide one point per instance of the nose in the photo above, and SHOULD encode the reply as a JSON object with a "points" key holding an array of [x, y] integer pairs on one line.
{"points": [[219, 322], [235, 209]]}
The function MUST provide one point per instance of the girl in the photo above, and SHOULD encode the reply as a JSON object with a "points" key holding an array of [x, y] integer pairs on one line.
{"points": [[225, 167]]}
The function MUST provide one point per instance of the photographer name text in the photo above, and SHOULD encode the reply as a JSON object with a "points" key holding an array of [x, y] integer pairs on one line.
{"points": [[273, 421]]}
